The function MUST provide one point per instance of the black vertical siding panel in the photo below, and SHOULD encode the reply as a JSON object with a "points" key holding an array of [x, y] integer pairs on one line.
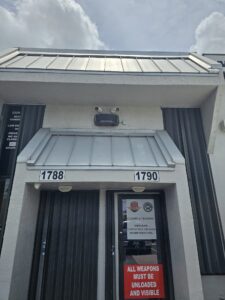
{"points": [[31, 122], [6, 190], [186, 129], [32, 119], [71, 260], [37, 249], [71, 242], [94, 247], [76, 250], [110, 247], [8, 157], [189, 152], [62, 248], [50, 266], [79, 266]]}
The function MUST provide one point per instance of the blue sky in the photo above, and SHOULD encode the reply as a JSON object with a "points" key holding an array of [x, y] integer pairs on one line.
{"points": [[166, 25]]}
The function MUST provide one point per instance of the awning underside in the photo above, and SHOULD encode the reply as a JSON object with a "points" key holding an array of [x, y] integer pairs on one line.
{"points": [[70, 149]]}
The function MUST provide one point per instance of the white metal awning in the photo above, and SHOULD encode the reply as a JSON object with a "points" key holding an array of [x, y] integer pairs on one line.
{"points": [[71, 149]]}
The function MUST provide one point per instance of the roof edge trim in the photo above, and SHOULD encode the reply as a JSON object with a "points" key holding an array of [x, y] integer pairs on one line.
{"points": [[8, 54], [102, 52], [205, 62]]}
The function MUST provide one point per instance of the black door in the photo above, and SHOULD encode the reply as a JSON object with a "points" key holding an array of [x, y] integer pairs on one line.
{"points": [[144, 260], [66, 247]]}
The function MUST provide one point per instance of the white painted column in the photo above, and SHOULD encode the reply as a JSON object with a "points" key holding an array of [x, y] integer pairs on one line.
{"points": [[101, 246], [184, 256], [10, 237], [17, 249]]}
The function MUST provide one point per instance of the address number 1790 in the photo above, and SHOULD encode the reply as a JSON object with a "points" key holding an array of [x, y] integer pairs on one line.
{"points": [[146, 176]]}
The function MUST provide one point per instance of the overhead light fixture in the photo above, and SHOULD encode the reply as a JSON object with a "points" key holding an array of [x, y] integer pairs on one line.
{"points": [[37, 186], [65, 188], [138, 189]]}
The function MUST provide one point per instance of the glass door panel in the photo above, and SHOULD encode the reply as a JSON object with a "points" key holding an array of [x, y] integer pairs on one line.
{"points": [[141, 253]]}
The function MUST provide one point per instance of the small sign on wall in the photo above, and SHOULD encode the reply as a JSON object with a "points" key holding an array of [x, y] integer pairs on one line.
{"points": [[12, 118], [12, 130], [143, 281]]}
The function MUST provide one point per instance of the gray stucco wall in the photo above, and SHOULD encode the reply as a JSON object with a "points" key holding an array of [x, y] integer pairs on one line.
{"points": [[213, 287], [81, 117]]}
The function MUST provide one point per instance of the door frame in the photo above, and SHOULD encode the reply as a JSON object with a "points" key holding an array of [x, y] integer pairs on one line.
{"points": [[113, 198]]}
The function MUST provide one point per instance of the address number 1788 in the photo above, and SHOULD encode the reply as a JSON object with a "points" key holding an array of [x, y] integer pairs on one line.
{"points": [[52, 175]]}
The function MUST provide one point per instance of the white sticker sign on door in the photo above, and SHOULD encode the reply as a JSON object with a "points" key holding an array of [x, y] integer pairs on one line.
{"points": [[140, 219]]}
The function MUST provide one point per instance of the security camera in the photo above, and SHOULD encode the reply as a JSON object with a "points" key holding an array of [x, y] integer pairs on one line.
{"points": [[98, 109], [115, 109]]}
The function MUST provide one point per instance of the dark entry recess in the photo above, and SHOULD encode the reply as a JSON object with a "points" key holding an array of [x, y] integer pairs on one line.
{"points": [[185, 127], [18, 124], [66, 247]]}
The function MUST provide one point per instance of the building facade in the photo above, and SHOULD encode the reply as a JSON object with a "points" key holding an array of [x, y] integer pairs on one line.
{"points": [[111, 175]]}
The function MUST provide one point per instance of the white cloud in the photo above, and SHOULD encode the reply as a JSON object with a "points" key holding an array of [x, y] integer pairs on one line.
{"points": [[47, 23], [165, 25], [161, 25], [210, 34]]}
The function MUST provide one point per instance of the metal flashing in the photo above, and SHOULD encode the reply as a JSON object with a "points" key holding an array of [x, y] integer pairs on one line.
{"points": [[8, 55], [8, 52], [209, 61], [208, 64]]}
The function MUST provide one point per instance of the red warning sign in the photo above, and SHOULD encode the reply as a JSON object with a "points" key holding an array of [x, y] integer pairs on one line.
{"points": [[143, 281]]}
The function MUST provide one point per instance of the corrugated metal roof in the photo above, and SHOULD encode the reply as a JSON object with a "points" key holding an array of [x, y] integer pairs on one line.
{"points": [[106, 62], [70, 149]]}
